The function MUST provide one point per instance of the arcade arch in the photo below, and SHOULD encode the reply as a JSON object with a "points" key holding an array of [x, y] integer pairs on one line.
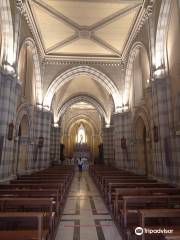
{"points": [[83, 70]]}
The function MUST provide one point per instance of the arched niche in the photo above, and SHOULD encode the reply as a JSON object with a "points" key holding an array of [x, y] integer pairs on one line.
{"points": [[81, 136], [93, 138], [66, 126], [137, 76], [26, 74]]}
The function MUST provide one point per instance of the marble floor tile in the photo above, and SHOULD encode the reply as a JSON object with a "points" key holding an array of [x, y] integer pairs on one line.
{"points": [[65, 233], [85, 216]]}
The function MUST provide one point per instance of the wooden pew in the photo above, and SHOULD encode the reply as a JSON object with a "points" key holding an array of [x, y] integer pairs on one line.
{"points": [[110, 183], [31, 193], [35, 192], [47, 205], [170, 214], [120, 192], [65, 185], [110, 191], [105, 179], [24, 234], [131, 204]]}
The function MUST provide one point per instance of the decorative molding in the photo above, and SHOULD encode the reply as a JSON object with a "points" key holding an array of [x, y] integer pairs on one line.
{"points": [[92, 61]]}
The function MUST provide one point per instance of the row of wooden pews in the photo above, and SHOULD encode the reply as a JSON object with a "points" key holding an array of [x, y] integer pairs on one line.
{"points": [[137, 201], [31, 205]]}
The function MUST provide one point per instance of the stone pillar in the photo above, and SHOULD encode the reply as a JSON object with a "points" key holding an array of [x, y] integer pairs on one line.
{"points": [[55, 144], [43, 121], [161, 118], [9, 92], [122, 129], [107, 136]]}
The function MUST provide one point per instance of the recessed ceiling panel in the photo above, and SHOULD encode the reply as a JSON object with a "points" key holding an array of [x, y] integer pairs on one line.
{"points": [[116, 32], [52, 30], [98, 28], [86, 13], [83, 46]]}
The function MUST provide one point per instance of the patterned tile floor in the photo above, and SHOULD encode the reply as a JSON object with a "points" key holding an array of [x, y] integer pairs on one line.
{"points": [[85, 215]]}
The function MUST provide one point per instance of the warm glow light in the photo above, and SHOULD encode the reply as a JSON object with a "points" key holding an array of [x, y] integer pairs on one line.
{"points": [[9, 69], [48, 99], [81, 135], [123, 108], [159, 72]]}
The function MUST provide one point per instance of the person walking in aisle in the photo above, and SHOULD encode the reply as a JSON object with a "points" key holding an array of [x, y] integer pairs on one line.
{"points": [[80, 165]]}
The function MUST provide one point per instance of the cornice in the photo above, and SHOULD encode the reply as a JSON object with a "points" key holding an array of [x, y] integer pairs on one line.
{"points": [[58, 61]]}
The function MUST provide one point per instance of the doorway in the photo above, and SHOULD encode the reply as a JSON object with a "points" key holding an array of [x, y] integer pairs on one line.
{"points": [[23, 146], [143, 147]]}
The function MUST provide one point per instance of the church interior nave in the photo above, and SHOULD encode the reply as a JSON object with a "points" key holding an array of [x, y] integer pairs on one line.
{"points": [[89, 119]]}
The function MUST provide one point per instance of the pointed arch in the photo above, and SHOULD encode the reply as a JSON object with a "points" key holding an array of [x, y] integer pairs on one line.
{"points": [[132, 55], [83, 98], [24, 110], [29, 42], [95, 74], [82, 117]]}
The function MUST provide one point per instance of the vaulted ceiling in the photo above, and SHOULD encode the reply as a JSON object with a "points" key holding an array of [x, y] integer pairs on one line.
{"points": [[98, 28]]}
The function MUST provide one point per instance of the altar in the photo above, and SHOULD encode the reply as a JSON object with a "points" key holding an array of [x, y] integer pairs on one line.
{"points": [[81, 151]]}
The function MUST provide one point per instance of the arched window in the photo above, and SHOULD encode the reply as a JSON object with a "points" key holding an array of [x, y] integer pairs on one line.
{"points": [[81, 135]]}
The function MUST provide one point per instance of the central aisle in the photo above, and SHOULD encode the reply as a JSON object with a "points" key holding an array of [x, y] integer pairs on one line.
{"points": [[85, 215]]}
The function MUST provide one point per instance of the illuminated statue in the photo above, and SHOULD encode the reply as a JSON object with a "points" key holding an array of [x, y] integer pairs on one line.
{"points": [[81, 135], [81, 139]]}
